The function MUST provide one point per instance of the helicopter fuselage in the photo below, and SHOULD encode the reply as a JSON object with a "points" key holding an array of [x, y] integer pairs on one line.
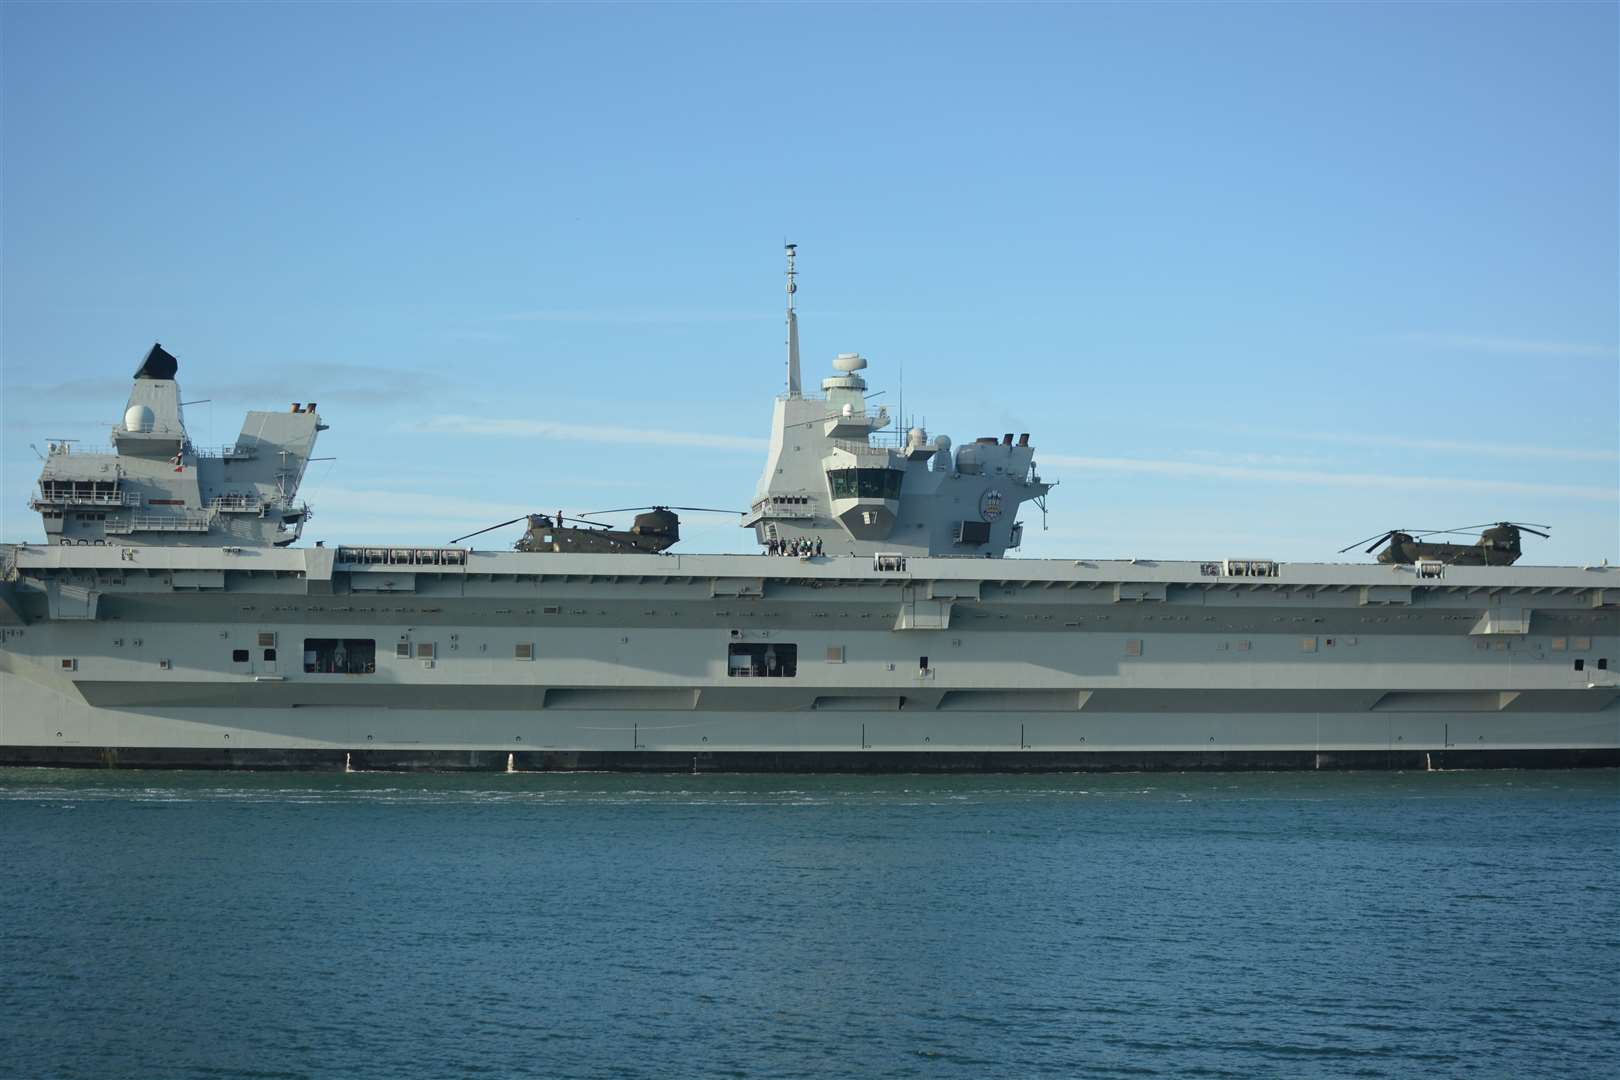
{"points": [[1489, 550]]}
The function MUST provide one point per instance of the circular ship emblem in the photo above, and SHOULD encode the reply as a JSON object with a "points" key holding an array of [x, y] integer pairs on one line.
{"points": [[990, 505]]}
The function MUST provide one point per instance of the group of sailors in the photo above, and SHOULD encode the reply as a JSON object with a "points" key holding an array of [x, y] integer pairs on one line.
{"points": [[803, 547]]}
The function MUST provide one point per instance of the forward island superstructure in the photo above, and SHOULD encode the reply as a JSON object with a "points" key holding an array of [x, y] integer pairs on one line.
{"points": [[169, 621], [158, 488]]}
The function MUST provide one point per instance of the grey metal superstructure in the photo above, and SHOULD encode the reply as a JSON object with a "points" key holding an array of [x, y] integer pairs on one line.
{"points": [[895, 643], [158, 487], [834, 474]]}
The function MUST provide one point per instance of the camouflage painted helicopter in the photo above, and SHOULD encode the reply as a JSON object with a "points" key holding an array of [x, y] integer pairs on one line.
{"points": [[1498, 545], [649, 533]]}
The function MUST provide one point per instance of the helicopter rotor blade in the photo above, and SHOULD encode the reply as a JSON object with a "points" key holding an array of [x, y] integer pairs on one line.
{"points": [[1382, 540], [491, 528], [629, 509], [1516, 525], [1363, 540], [1529, 527], [1526, 526]]}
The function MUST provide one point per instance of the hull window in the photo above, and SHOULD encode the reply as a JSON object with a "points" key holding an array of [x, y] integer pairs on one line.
{"points": [[340, 656], [748, 660]]}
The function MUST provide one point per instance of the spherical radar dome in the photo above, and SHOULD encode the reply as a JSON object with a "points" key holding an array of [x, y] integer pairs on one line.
{"points": [[139, 418]]}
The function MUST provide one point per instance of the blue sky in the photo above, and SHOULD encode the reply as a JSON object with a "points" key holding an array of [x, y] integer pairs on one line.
{"points": [[1259, 279]]}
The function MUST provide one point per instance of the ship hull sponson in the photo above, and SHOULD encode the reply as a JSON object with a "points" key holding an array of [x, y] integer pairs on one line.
{"points": [[309, 659], [44, 726]]}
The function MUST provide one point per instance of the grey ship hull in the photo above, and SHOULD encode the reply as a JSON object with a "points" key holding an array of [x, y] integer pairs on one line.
{"points": [[483, 660]]}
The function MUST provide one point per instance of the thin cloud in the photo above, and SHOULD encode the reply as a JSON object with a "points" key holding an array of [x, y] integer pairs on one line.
{"points": [[1514, 346], [107, 391], [378, 503], [547, 429], [1317, 478], [374, 385], [478, 337], [1445, 446], [637, 317], [301, 380], [1225, 457]]}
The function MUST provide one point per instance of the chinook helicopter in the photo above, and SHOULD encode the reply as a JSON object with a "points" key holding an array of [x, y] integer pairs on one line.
{"points": [[650, 533], [1498, 545]]}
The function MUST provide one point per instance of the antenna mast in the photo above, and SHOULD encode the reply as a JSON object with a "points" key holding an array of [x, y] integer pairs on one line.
{"points": [[794, 389]]}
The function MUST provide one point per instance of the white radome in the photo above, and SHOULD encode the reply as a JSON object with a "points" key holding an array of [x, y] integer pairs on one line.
{"points": [[139, 418]]}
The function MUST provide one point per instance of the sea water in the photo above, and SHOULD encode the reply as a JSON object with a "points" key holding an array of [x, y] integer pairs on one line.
{"points": [[169, 924]]}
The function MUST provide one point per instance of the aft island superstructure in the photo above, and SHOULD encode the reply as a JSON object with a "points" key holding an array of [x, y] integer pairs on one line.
{"points": [[169, 621]]}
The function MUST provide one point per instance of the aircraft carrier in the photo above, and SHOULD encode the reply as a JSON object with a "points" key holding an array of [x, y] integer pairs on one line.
{"points": [[169, 621]]}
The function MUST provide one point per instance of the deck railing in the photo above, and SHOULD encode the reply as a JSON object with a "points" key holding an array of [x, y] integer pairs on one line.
{"points": [[378, 556]]}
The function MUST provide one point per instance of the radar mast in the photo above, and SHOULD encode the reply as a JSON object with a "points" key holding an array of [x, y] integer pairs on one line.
{"points": [[793, 387]]}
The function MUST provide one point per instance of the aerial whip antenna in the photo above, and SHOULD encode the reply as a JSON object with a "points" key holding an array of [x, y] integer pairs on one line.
{"points": [[792, 325]]}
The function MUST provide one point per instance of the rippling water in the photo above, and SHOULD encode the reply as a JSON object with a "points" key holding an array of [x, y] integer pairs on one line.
{"points": [[261, 925]]}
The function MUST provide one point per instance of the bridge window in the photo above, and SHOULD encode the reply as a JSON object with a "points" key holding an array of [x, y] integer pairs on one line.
{"points": [[865, 483], [762, 660], [340, 656]]}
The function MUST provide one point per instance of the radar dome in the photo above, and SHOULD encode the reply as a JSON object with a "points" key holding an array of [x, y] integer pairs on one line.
{"points": [[848, 362], [139, 418], [943, 442]]}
